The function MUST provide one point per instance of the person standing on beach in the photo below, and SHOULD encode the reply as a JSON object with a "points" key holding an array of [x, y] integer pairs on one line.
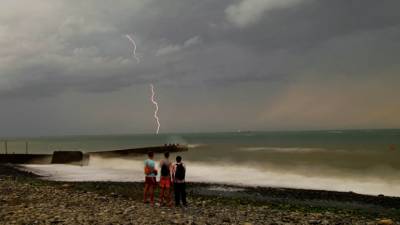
{"points": [[165, 179], [150, 182], [178, 176]]}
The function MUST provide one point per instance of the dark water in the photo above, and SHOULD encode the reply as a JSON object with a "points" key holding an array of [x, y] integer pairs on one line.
{"points": [[369, 156]]}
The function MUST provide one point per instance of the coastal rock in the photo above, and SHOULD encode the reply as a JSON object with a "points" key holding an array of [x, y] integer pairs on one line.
{"points": [[385, 222], [226, 220], [324, 222], [314, 222], [66, 185]]}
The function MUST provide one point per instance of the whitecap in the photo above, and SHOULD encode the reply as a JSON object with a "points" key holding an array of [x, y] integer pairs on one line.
{"points": [[283, 149], [220, 173]]}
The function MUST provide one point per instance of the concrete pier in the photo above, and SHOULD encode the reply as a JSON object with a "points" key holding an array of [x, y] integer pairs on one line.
{"points": [[80, 158]]}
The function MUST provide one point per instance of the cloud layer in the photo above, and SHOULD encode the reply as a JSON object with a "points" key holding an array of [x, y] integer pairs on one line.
{"points": [[176, 48], [247, 12], [226, 65]]}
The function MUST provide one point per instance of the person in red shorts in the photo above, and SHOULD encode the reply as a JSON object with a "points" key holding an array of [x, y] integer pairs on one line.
{"points": [[150, 182], [165, 180]]}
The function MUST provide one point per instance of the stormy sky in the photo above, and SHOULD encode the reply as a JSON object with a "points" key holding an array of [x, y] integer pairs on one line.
{"points": [[66, 67]]}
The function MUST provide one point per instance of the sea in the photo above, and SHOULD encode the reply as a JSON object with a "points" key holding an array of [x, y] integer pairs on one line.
{"points": [[361, 161]]}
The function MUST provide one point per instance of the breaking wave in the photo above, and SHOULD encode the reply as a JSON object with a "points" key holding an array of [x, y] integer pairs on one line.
{"points": [[192, 146], [223, 173], [282, 149]]}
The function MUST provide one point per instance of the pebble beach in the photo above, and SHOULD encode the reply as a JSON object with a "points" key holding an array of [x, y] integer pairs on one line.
{"points": [[27, 199]]}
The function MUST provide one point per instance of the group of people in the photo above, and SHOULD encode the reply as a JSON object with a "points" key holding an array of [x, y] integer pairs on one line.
{"points": [[172, 175]]}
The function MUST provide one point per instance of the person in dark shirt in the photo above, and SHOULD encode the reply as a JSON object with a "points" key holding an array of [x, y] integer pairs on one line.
{"points": [[178, 176]]}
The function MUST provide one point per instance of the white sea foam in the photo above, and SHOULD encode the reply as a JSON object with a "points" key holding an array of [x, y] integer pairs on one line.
{"points": [[225, 189], [192, 146], [282, 149], [132, 170], [335, 132]]}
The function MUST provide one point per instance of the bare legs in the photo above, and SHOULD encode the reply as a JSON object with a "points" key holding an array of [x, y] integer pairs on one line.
{"points": [[165, 193], [148, 189]]}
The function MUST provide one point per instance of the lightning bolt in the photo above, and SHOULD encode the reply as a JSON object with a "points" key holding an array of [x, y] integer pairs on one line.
{"points": [[151, 85], [134, 47], [156, 110]]}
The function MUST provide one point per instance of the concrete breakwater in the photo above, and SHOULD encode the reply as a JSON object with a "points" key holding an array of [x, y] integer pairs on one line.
{"points": [[141, 151], [25, 158], [80, 158]]}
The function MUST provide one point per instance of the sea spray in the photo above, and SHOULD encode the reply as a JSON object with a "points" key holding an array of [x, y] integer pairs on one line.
{"points": [[132, 170]]}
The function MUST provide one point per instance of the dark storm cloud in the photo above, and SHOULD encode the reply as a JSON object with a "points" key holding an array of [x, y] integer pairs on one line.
{"points": [[312, 22], [226, 52], [50, 48]]}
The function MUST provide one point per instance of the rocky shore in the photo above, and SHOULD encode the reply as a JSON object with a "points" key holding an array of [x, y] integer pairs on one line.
{"points": [[26, 199]]}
